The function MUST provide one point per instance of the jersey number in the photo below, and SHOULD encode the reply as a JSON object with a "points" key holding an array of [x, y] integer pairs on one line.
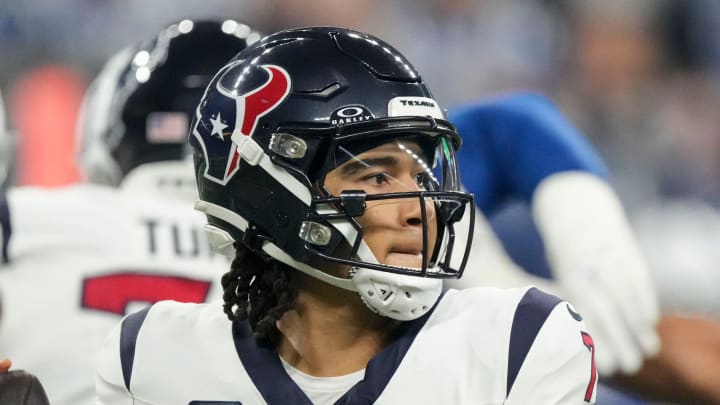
{"points": [[588, 342], [113, 292]]}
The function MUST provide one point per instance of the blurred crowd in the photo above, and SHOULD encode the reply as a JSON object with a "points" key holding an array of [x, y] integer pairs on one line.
{"points": [[640, 78]]}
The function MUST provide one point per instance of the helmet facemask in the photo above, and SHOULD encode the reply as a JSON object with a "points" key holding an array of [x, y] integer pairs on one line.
{"points": [[398, 270], [388, 212], [361, 193]]}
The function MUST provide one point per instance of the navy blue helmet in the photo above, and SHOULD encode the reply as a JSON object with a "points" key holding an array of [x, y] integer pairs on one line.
{"points": [[288, 110]]}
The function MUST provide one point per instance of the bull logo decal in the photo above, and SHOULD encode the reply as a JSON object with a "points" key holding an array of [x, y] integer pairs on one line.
{"points": [[255, 91]]}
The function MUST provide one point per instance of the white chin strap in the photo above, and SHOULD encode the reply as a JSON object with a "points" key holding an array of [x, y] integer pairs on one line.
{"points": [[397, 296]]}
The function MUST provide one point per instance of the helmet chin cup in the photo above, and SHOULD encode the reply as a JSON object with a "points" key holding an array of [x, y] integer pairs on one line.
{"points": [[396, 296]]}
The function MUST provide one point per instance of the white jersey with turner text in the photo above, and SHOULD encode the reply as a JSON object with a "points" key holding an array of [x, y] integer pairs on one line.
{"points": [[477, 346], [78, 259]]}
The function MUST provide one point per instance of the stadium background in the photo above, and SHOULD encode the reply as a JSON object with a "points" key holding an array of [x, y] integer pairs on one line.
{"points": [[640, 77]]}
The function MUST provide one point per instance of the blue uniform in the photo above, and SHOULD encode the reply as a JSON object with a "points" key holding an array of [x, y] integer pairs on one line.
{"points": [[512, 143]]}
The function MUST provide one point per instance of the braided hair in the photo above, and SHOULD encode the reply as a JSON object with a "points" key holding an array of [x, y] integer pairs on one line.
{"points": [[258, 290]]}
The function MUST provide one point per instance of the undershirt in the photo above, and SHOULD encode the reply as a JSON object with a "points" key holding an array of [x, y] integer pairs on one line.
{"points": [[323, 390]]}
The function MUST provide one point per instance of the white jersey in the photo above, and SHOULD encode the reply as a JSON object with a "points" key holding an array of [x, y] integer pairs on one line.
{"points": [[82, 257], [477, 346]]}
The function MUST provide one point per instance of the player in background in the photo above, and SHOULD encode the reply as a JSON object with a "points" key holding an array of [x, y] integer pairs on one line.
{"points": [[81, 257], [5, 151], [520, 148], [5, 363], [328, 171], [16, 386]]}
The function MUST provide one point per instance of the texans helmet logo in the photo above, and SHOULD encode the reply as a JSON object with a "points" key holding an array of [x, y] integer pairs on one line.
{"points": [[248, 95]]}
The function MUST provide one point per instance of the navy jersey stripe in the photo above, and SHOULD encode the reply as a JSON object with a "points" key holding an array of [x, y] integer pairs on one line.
{"points": [[268, 375], [265, 369], [128, 339], [381, 368], [530, 315], [6, 227]]}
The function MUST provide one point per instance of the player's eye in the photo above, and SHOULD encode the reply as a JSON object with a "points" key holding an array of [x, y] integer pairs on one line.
{"points": [[424, 180], [378, 179]]}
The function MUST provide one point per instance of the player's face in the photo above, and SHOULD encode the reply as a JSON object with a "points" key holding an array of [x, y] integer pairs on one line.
{"points": [[393, 228]]}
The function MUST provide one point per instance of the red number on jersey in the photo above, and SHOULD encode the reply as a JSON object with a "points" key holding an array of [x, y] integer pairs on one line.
{"points": [[588, 342], [113, 292]]}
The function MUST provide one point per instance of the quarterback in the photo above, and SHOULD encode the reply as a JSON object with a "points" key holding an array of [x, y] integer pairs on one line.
{"points": [[341, 235]]}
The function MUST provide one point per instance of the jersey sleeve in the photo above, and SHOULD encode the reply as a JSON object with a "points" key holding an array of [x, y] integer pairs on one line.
{"points": [[558, 363], [513, 142], [114, 363]]}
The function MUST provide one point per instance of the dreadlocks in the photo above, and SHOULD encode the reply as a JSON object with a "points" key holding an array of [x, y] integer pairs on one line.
{"points": [[259, 291]]}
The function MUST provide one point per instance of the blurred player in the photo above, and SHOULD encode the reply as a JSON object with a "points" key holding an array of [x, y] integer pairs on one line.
{"points": [[328, 171], [5, 148], [519, 147], [81, 257]]}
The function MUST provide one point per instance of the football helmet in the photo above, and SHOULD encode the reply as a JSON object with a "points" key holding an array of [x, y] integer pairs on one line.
{"points": [[138, 109], [293, 107]]}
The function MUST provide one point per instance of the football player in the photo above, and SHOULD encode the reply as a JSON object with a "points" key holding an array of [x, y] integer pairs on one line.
{"points": [[328, 171], [519, 147], [5, 162], [81, 257]]}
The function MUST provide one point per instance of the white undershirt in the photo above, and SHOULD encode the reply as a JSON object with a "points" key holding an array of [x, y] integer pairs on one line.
{"points": [[323, 390]]}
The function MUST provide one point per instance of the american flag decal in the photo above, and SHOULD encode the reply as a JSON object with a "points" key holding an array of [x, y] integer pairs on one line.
{"points": [[167, 127]]}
